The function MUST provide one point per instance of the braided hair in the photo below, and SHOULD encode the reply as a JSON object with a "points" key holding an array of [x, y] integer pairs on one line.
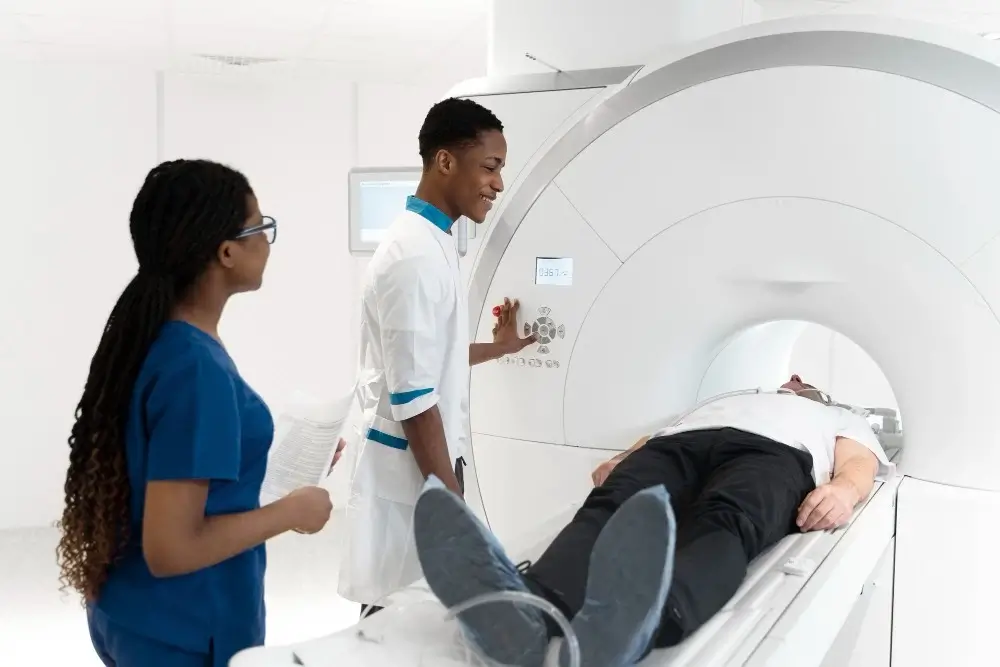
{"points": [[184, 211]]}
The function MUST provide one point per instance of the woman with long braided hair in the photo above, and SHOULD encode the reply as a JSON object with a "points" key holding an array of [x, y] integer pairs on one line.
{"points": [[163, 533]]}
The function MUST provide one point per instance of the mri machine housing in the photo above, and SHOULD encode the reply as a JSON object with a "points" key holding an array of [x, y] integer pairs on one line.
{"points": [[835, 170]]}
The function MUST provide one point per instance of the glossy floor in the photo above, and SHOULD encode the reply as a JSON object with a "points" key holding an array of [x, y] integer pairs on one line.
{"points": [[39, 625]]}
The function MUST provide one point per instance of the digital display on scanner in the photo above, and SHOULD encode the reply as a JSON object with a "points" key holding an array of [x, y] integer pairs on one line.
{"points": [[554, 271]]}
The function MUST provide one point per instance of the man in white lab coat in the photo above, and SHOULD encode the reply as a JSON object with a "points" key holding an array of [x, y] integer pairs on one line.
{"points": [[415, 349]]}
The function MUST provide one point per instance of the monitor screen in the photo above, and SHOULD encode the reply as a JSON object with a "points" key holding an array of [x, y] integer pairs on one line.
{"points": [[554, 271], [377, 196]]}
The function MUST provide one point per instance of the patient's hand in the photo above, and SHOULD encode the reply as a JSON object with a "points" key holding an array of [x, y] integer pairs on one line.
{"points": [[602, 471], [828, 506]]}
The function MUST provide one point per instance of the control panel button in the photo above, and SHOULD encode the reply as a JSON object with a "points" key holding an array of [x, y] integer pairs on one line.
{"points": [[561, 331], [521, 362], [535, 363], [543, 349], [555, 364], [548, 363], [544, 310], [527, 329]]}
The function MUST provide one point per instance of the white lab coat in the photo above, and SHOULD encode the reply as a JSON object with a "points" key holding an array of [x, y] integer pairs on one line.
{"points": [[414, 355]]}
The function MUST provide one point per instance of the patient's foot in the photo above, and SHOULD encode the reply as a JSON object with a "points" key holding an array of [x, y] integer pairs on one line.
{"points": [[461, 559], [631, 567]]}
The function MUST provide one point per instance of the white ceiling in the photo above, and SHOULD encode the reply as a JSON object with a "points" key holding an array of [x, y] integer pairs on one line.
{"points": [[370, 39], [399, 39]]}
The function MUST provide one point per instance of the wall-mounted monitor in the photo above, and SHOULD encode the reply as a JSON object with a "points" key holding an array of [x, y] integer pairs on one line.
{"points": [[376, 195]]}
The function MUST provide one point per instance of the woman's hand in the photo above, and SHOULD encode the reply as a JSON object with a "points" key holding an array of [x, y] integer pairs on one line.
{"points": [[309, 509]]}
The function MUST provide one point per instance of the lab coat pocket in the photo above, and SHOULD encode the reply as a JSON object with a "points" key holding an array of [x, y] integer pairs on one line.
{"points": [[381, 556], [391, 472]]}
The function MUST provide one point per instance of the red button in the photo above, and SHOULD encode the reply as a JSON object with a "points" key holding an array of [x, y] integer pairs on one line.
{"points": [[496, 311]]}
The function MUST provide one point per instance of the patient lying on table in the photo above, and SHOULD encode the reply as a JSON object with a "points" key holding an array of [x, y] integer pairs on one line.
{"points": [[739, 474]]}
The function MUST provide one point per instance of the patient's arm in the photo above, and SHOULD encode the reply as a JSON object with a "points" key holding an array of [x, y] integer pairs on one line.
{"points": [[854, 467], [639, 443], [832, 504], [602, 471]]}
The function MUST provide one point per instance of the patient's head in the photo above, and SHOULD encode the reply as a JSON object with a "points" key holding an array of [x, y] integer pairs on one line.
{"points": [[796, 384]]}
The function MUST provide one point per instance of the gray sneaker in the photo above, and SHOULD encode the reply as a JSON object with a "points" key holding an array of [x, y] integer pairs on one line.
{"points": [[462, 559], [631, 568]]}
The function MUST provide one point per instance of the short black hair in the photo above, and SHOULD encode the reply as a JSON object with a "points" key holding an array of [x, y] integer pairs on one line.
{"points": [[454, 123]]}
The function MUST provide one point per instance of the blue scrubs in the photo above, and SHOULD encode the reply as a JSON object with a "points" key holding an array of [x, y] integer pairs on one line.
{"points": [[191, 417]]}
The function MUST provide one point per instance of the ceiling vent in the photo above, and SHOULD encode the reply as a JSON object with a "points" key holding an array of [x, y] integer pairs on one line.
{"points": [[238, 61]]}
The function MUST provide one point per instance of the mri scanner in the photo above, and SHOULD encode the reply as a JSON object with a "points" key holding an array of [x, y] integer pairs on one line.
{"points": [[840, 171]]}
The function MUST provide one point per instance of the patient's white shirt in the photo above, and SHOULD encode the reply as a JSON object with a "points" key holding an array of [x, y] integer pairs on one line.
{"points": [[792, 420]]}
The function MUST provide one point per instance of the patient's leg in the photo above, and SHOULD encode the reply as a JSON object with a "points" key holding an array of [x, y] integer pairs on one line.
{"points": [[630, 573], [630, 577], [461, 560], [748, 503], [678, 462]]}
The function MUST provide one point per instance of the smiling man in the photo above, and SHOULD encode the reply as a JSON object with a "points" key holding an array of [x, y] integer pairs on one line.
{"points": [[416, 351]]}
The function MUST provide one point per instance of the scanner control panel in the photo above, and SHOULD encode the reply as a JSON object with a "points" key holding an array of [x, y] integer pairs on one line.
{"points": [[548, 332]]}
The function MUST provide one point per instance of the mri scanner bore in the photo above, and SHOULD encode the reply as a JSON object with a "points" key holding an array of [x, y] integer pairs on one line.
{"points": [[742, 472]]}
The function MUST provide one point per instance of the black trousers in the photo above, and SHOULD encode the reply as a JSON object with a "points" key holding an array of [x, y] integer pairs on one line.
{"points": [[369, 609], [734, 494]]}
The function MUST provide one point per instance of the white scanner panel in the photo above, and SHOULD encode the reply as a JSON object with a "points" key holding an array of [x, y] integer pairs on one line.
{"points": [[530, 385], [653, 332], [803, 132], [843, 176]]}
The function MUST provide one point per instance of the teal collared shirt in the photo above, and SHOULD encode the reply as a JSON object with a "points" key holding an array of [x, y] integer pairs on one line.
{"points": [[429, 212]]}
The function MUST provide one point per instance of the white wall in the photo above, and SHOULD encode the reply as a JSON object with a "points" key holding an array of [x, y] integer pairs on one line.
{"points": [[77, 142], [294, 138]]}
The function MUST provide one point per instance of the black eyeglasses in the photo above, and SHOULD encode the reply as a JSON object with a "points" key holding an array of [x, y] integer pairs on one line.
{"points": [[269, 228]]}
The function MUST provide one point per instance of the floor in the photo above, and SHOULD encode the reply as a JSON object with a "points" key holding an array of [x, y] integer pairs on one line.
{"points": [[39, 625]]}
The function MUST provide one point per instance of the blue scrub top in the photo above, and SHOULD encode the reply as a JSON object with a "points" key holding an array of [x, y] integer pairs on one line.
{"points": [[193, 417]]}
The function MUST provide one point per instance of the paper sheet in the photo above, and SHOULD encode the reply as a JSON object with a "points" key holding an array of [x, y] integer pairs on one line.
{"points": [[305, 441]]}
